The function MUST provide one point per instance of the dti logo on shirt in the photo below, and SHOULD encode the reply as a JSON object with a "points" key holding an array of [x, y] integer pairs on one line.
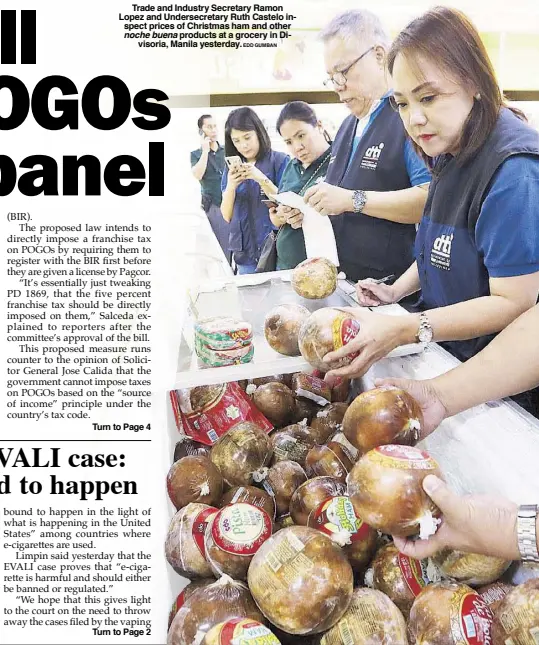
{"points": [[440, 255], [371, 157]]}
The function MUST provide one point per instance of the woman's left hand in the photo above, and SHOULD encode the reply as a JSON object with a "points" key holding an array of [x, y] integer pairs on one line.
{"points": [[328, 199], [378, 335]]}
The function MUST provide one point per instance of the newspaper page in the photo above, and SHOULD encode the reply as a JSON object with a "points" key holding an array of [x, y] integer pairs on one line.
{"points": [[104, 240]]}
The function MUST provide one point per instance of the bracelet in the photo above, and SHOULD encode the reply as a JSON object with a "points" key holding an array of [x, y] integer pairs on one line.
{"points": [[527, 533]]}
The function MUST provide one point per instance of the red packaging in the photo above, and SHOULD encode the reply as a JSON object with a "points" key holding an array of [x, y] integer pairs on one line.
{"points": [[311, 387], [213, 420]]}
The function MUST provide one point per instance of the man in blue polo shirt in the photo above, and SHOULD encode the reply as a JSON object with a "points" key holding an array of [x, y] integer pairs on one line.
{"points": [[376, 185], [207, 165]]}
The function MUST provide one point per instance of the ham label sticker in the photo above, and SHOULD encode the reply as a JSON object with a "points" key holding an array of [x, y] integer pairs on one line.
{"points": [[241, 529], [246, 632], [471, 618], [337, 515], [404, 457], [414, 573], [199, 528], [344, 330]]}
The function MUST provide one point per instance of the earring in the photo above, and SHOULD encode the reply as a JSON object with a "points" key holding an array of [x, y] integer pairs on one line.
{"points": [[477, 96]]}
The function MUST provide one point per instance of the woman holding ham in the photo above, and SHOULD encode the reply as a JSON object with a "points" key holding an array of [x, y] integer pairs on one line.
{"points": [[477, 247]]}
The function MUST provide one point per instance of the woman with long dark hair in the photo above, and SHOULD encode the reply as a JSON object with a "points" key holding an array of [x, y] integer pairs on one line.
{"points": [[245, 185], [477, 247], [310, 147]]}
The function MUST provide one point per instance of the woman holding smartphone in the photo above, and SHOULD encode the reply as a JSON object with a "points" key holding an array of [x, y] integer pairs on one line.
{"points": [[310, 146], [246, 183]]}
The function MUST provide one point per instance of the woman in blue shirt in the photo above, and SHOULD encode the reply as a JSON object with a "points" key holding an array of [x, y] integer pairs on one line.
{"points": [[245, 186], [477, 248], [310, 145]]}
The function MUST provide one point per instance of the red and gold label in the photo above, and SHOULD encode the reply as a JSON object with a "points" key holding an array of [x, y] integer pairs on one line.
{"points": [[199, 528], [344, 330], [337, 515], [404, 457], [470, 619], [245, 632], [414, 573], [176, 606], [241, 529]]}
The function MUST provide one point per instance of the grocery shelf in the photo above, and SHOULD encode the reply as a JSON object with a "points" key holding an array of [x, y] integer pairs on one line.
{"points": [[250, 298]]}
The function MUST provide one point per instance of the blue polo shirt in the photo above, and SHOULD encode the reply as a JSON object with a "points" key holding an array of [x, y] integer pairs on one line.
{"points": [[481, 221]]}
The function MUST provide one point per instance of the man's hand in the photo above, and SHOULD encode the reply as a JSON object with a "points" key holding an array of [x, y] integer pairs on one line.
{"points": [[205, 143], [378, 335], [472, 523], [432, 406], [328, 199], [371, 294]]}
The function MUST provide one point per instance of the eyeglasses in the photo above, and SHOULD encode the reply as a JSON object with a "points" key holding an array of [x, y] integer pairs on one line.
{"points": [[339, 78]]}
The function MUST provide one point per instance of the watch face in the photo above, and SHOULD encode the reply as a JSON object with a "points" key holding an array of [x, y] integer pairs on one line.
{"points": [[425, 335]]}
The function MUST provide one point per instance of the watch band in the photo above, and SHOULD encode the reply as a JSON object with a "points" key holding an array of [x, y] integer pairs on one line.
{"points": [[527, 533], [359, 199], [425, 332]]}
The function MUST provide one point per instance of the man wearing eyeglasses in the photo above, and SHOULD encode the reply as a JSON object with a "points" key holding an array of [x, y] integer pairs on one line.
{"points": [[376, 185]]}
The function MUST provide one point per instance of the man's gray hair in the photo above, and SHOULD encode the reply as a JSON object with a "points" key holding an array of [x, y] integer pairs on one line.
{"points": [[357, 24]]}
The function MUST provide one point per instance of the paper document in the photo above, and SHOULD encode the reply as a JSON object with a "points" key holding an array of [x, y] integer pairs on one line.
{"points": [[317, 229]]}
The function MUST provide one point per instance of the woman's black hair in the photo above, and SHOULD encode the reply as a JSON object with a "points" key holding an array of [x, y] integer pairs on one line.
{"points": [[246, 120], [299, 111]]}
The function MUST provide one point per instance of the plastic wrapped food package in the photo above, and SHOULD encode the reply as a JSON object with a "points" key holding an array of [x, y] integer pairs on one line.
{"points": [[292, 443], [328, 421], [184, 596], [302, 564], [314, 278], [308, 497], [324, 331], [184, 546], [186, 447], [385, 486], [471, 569], [234, 535], [240, 631], [516, 619], [282, 481], [382, 416], [241, 454], [213, 604], [494, 593], [281, 327], [331, 460], [446, 613], [205, 413], [251, 495], [336, 518], [312, 388], [371, 619], [194, 479], [400, 577], [275, 401]]}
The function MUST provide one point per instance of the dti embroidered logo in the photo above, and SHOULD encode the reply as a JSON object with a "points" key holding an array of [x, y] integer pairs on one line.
{"points": [[371, 157], [440, 255]]}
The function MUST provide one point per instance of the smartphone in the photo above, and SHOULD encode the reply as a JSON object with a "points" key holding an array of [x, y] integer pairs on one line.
{"points": [[269, 203], [233, 162]]}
